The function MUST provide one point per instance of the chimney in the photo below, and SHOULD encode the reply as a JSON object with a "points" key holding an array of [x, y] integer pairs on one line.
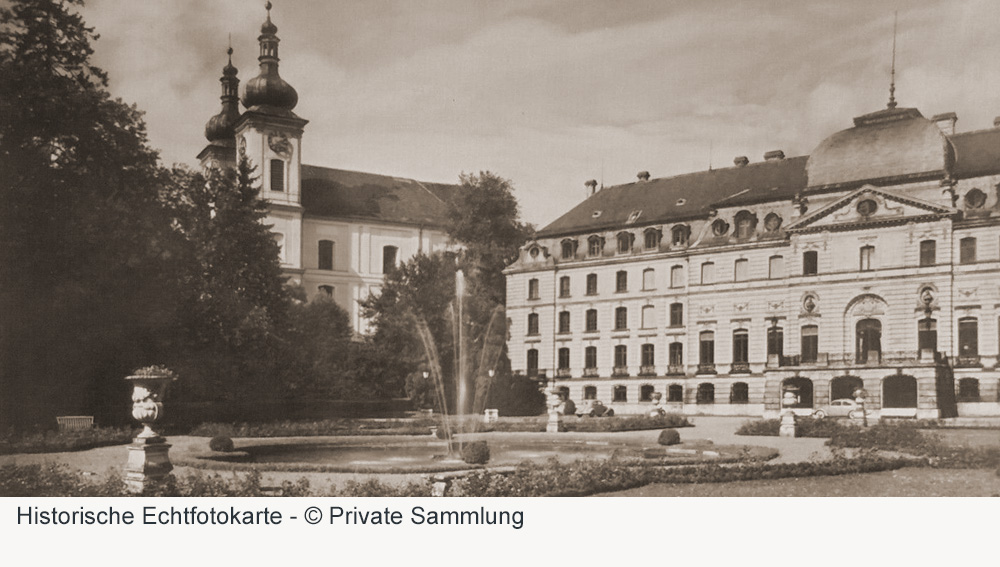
{"points": [[643, 176], [773, 155], [946, 122], [591, 187], [741, 161]]}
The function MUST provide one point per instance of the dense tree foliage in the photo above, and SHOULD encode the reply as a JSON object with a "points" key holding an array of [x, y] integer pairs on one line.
{"points": [[484, 223]]}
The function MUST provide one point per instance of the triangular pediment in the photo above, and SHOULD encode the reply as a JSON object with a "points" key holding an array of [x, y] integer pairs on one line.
{"points": [[869, 207]]}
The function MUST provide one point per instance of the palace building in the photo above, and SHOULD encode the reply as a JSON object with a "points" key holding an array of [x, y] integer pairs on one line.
{"points": [[872, 263], [339, 231]]}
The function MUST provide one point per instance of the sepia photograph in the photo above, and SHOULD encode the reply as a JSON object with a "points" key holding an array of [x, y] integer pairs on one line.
{"points": [[466, 248]]}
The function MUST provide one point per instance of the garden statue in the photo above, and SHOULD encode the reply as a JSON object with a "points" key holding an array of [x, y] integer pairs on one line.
{"points": [[148, 458], [657, 410], [554, 401], [788, 400]]}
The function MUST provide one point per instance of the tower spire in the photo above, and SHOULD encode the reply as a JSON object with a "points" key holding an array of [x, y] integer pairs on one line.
{"points": [[892, 76], [220, 126], [268, 88]]}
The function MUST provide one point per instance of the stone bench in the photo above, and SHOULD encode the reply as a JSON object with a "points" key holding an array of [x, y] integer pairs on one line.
{"points": [[75, 422]]}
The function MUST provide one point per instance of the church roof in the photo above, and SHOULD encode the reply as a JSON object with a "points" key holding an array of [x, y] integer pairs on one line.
{"points": [[355, 195], [683, 197]]}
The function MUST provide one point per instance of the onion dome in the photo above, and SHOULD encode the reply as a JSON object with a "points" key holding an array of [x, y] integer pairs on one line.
{"points": [[220, 126], [267, 88]]}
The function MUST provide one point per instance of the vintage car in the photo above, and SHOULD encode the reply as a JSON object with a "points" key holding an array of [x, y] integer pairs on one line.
{"points": [[841, 408], [594, 408]]}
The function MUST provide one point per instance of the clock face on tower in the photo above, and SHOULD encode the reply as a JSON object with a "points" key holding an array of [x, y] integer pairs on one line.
{"points": [[280, 145]]}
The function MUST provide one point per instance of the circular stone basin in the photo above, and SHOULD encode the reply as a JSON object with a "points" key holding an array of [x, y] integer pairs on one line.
{"points": [[416, 457]]}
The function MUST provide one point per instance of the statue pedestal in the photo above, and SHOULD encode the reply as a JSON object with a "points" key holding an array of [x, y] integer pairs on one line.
{"points": [[555, 422], [147, 462], [787, 428]]}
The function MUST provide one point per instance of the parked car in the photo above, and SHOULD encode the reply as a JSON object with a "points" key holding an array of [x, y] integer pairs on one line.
{"points": [[594, 408], [841, 408]]}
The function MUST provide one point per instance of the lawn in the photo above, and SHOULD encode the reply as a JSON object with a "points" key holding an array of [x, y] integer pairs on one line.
{"points": [[902, 482]]}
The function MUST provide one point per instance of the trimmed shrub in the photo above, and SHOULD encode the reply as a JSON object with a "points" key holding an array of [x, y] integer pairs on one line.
{"points": [[221, 444], [669, 437], [804, 427], [59, 441], [476, 453]]}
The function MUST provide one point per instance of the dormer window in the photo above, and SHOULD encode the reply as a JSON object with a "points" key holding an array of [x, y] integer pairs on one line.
{"points": [[568, 249], [595, 245], [533, 251], [625, 242], [680, 234], [652, 237], [975, 199], [746, 223], [720, 227]]}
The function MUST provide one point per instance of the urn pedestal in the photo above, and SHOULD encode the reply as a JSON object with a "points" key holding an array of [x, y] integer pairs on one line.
{"points": [[148, 458], [555, 418]]}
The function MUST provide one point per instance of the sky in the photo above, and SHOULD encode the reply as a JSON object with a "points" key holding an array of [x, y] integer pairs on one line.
{"points": [[552, 93]]}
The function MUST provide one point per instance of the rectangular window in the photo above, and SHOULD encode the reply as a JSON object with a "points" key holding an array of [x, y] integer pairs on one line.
{"points": [[968, 337], [389, 254], [591, 284], [621, 281], [564, 321], [677, 276], [564, 286], [867, 252], [708, 273], [277, 175], [621, 318], [676, 314], [927, 335], [652, 239], [810, 343], [620, 394], [741, 270], [967, 250], [928, 253], [591, 320], [326, 254], [810, 263], [532, 362], [533, 289], [776, 267], [775, 341], [648, 317], [590, 357], [648, 279]]}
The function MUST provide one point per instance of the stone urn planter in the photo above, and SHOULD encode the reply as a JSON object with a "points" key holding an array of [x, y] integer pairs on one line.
{"points": [[148, 458]]}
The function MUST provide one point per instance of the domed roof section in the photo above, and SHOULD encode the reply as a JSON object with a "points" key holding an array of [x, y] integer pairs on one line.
{"points": [[269, 89], [220, 126], [888, 143]]}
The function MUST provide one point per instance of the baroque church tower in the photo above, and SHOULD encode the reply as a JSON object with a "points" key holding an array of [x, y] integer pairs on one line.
{"points": [[269, 135]]}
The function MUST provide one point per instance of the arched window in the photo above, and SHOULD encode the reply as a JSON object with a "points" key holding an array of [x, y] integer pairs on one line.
{"points": [[625, 242], [591, 284], [648, 317], [277, 175], [532, 362], [389, 256], [648, 355], [326, 290], [620, 394], [325, 254], [843, 387], [676, 314], [677, 276], [564, 322], [675, 393], [646, 393], [740, 393], [564, 286], [568, 249], [590, 358], [621, 318], [591, 322], [648, 279], [621, 358], [746, 223], [968, 390], [564, 358], [802, 388], [621, 281], [899, 391], [595, 245], [868, 337], [680, 234], [532, 323], [652, 238], [706, 393], [590, 392]]}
